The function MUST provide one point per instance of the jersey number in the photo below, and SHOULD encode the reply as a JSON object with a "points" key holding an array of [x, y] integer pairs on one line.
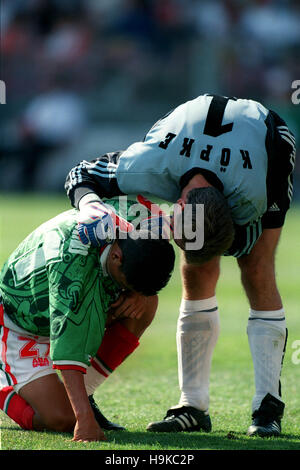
{"points": [[213, 124], [30, 349]]}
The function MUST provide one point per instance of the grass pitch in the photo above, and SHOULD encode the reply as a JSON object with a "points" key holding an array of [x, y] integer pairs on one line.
{"points": [[146, 385]]}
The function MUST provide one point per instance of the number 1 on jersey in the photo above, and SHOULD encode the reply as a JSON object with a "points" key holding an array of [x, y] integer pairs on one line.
{"points": [[215, 114]]}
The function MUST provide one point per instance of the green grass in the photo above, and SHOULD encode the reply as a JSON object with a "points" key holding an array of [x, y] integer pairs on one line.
{"points": [[143, 388]]}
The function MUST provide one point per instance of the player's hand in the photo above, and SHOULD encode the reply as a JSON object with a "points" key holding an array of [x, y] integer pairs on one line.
{"points": [[97, 224], [161, 226], [159, 223], [88, 431], [128, 305]]}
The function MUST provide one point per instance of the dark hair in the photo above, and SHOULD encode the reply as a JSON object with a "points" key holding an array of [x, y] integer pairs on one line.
{"points": [[147, 263], [218, 224]]}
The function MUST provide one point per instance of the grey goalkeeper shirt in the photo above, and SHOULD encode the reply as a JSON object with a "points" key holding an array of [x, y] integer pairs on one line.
{"points": [[222, 138]]}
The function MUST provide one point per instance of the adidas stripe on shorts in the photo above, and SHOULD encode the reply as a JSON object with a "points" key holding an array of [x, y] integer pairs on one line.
{"points": [[281, 149]]}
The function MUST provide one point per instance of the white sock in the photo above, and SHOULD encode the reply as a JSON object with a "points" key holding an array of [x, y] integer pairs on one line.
{"points": [[267, 336], [197, 333], [95, 376]]}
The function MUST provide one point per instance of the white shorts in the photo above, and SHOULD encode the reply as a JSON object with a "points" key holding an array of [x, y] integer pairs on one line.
{"points": [[23, 357]]}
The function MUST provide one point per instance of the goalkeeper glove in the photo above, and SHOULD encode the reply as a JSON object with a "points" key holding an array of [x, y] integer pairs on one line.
{"points": [[161, 226], [158, 223], [97, 224]]}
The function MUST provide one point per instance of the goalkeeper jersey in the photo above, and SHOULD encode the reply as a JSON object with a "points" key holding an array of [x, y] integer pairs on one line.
{"points": [[54, 286], [225, 139]]}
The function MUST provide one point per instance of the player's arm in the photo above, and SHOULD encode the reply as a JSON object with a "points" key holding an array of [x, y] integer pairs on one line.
{"points": [[86, 429], [97, 223], [74, 336], [96, 178], [86, 185]]}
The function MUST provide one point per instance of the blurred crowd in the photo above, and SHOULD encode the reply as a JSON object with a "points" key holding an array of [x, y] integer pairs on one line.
{"points": [[90, 60], [257, 43]]}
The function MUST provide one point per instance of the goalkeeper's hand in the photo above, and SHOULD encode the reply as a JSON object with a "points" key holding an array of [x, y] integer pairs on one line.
{"points": [[97, 224], [158, 223], [161, 226]]}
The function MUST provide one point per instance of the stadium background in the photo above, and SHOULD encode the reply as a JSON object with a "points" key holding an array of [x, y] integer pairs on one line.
{"points": [[85, 77]]}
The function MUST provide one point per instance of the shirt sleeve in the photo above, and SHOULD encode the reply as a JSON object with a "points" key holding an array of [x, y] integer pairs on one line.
{"points": [[77, 320], [97, 176]]}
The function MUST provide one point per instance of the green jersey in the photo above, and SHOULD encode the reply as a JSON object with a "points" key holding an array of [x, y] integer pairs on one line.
{"points": [[54, 286]]}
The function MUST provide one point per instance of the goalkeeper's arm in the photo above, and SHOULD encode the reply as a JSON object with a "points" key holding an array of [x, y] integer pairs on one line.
{"points": [[95, 177], [86, 184]]}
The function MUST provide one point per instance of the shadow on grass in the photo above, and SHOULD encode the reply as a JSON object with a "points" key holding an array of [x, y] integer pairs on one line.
{"points": [[199, 441]]}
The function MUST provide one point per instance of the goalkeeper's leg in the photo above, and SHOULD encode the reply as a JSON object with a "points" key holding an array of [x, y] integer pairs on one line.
{"points": [[197, 334], [267, 333]]}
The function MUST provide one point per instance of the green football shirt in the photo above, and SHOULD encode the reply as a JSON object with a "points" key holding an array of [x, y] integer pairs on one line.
{"points": [[54, 286]]}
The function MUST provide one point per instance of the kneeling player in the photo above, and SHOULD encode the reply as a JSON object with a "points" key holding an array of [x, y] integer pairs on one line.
{"points": [[56, 293]]}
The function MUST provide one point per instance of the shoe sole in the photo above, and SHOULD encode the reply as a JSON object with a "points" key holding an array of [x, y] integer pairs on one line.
{"points": [[112, 428], [151, 428], [259, 432]]}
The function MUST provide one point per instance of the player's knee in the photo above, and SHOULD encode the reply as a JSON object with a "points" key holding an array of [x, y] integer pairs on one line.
{"points": [[211, 269], [256, 271], [201, 280]]}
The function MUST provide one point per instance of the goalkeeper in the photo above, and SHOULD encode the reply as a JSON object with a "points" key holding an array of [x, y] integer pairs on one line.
{"points": [[236, 158], [56, 296]]}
